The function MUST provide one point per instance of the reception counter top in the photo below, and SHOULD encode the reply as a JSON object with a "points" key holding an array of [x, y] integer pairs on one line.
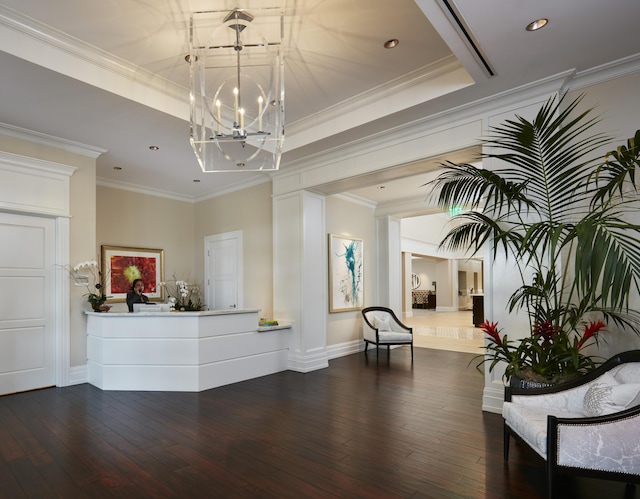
{"points": [[204, 313], [181, 351]]}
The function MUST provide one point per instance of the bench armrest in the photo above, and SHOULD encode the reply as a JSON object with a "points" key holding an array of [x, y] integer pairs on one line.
{"points": [[604, 444]]}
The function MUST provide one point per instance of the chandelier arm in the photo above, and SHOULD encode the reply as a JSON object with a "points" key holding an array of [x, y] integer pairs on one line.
{"points": [[238, 49]]}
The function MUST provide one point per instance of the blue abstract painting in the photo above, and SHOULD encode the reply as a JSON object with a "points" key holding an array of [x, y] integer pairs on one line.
{"points": [[346, 287]]}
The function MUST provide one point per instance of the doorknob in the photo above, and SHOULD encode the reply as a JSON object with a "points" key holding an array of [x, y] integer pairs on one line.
{"points": [[232, 306]]}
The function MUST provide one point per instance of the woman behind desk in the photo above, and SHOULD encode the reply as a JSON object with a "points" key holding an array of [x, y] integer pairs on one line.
{"points": [[135, 294]]}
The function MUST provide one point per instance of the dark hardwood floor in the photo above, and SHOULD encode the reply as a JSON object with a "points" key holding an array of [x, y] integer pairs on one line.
{"points": [[361, 428]]}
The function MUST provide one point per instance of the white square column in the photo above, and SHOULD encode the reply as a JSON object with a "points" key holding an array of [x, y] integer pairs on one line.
{"points": [[300, 278], [389, 264]]}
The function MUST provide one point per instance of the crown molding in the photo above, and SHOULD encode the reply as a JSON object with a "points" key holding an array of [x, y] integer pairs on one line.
{"points": [[606, 72], [149, 191], [18, 162], [41, 44], [423, 84], [374, 95], [463, 113], [352, 198], [141, 189], [407, 207], [230, 189], [567, 80], [50, 141]]}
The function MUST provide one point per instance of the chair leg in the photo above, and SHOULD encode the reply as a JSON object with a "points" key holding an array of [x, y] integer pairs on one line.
{"points": [[411, 352], [505, 442], [366, 345], [377, 351]]}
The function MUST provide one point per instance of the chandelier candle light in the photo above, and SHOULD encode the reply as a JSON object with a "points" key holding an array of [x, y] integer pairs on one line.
{"points": [[237, 89]]}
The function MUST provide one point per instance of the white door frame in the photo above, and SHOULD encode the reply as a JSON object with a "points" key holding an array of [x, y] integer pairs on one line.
{"points": [[62, 306], [236, 234], [17, 195]]}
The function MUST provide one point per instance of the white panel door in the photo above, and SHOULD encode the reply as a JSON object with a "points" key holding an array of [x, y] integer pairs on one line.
{"points": [[223, 268], [27, 300]]}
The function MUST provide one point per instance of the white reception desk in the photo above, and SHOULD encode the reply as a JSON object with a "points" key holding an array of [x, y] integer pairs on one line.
{"points": [[181, 351]]}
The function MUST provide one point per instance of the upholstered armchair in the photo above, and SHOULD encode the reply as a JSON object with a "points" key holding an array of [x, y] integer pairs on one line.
{"points": [[382, 327], [590, 426]]}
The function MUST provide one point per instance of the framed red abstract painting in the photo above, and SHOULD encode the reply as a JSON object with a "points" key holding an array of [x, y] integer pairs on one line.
{"points": [[121, 266]]}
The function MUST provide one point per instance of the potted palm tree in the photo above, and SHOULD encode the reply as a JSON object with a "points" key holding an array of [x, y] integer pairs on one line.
{"points": [[562, 213]]}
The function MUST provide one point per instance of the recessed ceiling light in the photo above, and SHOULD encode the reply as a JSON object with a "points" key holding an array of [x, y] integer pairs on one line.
{"points": [[537, 24], [117, 168], [154, 148], [389, 44]]}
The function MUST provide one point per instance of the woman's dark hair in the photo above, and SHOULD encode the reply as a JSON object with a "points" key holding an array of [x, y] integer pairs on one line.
{"points": [[133, 284]]}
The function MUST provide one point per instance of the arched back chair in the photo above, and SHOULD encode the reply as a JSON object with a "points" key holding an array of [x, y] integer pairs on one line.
{"points": [[382, 327]]}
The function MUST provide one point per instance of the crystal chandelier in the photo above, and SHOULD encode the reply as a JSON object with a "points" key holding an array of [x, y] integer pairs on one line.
{"points": [[237, 89]]}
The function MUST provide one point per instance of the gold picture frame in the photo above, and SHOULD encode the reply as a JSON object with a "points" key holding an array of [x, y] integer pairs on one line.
{"points": [[121, 265], [346, 273]]}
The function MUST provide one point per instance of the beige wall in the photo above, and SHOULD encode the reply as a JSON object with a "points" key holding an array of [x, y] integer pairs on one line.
{"points": [[351, 219], [616, 103], [82, 230], [126, 218], [131, 219], [426, 269], [251, 211], [427, 228]]}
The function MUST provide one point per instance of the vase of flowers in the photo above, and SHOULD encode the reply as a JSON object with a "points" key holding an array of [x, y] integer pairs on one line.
{"points": [[183, 296], [89, 274], [97, 301]]}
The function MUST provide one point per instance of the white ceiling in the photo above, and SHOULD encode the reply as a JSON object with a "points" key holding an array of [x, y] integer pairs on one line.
{"points": [[110, 74]]}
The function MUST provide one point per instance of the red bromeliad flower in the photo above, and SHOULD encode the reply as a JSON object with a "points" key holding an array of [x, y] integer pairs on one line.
{"points": [[491, 328], [590, 330], [545, 329]]}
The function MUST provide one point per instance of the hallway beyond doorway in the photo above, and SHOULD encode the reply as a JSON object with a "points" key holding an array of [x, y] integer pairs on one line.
{"points": [[445, 331]]}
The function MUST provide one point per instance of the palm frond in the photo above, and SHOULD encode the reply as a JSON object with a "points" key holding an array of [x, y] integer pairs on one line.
{"points": [[608, 259], [475, 230], [473, 187], [618, 170], [548, 155]]}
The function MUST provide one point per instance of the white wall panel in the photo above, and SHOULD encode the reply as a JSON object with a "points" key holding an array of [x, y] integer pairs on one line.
{"points": [[32, 185]]}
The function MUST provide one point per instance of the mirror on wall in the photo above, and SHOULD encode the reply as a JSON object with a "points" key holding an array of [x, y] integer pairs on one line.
{"points": [[415, 281]]}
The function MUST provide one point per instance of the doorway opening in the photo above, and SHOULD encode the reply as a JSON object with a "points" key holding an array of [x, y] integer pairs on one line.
{"points": [[440, 309]]}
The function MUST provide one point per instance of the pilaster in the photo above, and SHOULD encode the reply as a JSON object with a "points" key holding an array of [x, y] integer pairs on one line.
{"points": [[300, 276]]}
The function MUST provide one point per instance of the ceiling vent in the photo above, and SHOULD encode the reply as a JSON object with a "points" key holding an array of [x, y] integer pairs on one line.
{"points": [[465, 31]]}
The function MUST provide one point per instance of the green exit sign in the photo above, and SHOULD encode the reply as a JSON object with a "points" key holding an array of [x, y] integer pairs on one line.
{"points": [[455, 210]]}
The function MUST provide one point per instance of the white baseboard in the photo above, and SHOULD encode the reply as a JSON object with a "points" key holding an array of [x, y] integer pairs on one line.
{"points": [[78, 375], [447, 309], [308, 362], [346, 348], [492, 399]]}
